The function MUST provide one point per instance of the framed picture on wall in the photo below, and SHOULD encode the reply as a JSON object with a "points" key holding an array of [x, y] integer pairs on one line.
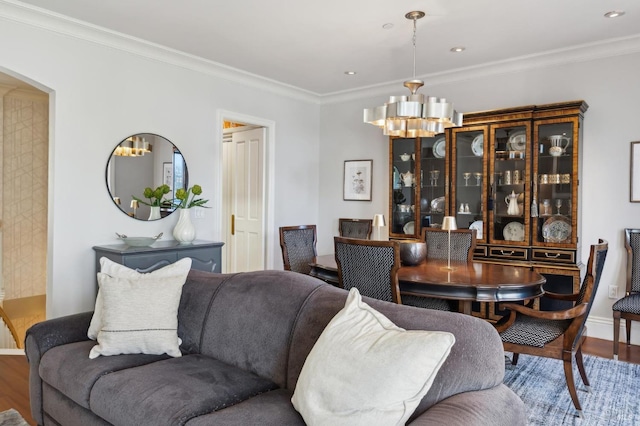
{"points": [[357, 180], [634, 187], [167, 174]]}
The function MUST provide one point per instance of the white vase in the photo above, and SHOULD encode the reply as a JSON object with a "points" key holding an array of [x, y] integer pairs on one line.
{"points": [[184, 232], [154, 213]]}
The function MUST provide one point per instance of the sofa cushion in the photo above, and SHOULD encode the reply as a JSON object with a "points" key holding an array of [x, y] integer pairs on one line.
{"points": [[139, 315], [271, 408], [179, 269], [173, 391], [382, 371], [68, 368]]}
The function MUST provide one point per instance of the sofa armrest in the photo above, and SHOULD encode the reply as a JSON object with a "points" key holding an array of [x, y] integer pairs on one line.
{"points": [[56, 332], [43, 336], [497, 406]]}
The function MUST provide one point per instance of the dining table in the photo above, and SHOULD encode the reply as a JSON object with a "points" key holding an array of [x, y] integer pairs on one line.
{"points": [[466, 282]]}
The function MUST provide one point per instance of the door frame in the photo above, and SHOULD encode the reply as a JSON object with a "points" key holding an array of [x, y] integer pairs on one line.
{"points": [[269, 177]]}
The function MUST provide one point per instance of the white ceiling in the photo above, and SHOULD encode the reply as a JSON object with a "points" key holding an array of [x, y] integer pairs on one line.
{"points": [[309, 45]]}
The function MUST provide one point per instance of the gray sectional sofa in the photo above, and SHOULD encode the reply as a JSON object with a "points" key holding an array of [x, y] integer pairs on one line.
{"points": [[245, 338]]}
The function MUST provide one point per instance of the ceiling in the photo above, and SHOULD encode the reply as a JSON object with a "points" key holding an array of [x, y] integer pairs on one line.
{"points": [[310, 45]]}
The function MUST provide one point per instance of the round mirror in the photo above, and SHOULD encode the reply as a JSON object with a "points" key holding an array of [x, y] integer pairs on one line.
{"points": [[142, 161]]}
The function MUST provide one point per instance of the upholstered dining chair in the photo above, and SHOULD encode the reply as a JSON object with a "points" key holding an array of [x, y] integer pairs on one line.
{"points": [[355, 228], [629, 306], [371, 266], [4, 318], [556, 334], [298, 244], [463, 244]]}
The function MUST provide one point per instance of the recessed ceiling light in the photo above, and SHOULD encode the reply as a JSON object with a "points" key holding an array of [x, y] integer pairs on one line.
{"points": [[387, 26], [614, 14], [350, 72], [457, 49]]}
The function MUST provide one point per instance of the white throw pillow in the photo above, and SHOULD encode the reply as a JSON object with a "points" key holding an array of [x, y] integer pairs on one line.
{"points": [[365, 370], [139, 315], [179, 269]]}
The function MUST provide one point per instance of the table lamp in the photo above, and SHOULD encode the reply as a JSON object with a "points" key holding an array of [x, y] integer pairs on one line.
{"points": [[134, 206], [378, 222], [449, 224]]}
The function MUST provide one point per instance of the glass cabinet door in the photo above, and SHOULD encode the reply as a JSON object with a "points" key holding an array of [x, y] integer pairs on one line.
{"points": [[510, 169], [468, 183], [433, 180], [555, 189], [403, 187]]}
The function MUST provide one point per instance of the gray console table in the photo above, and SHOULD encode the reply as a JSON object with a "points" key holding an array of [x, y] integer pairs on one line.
{"points": [[206, 255]]}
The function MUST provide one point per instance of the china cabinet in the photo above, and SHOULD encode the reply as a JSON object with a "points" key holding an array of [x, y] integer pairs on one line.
{"points": [[510, 174], [418, 186]]}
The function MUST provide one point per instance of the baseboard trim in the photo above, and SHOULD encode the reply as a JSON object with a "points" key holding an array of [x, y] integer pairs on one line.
{"points": [[602, 328], [11, 351]]}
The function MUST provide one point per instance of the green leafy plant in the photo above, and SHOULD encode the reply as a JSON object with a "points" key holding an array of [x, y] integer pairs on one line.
{"points": [[154, 196], [187, 199]]}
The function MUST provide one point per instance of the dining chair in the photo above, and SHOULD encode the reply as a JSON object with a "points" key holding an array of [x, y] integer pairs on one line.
{"points": [[463, 243], [298, 244], [355, 228], [371, 266], [4, 318], [628, 307], [556, 334]]}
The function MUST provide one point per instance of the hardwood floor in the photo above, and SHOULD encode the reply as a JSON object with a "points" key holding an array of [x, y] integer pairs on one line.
{"points": [[14, 373], [14, 385]]}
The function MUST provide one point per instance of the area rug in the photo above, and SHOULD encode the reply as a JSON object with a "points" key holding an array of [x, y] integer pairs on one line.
{"points": [[613, 400], [12, 418]]}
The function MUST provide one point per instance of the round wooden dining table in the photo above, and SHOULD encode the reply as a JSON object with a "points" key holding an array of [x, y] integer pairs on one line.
{"points": [[466, 282]]}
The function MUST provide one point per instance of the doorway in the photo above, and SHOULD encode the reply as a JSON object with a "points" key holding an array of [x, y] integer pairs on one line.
{"points": [[24, 165], [247, 208]]}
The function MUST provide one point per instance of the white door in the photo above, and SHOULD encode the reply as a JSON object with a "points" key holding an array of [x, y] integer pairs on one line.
{"points": [[244, 162]]}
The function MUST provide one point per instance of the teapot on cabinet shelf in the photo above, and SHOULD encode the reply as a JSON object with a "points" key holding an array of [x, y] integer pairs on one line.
{"points": [[407, 178]]}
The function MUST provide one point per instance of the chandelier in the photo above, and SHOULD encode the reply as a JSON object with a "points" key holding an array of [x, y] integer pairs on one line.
{"points": [[413, 115]]}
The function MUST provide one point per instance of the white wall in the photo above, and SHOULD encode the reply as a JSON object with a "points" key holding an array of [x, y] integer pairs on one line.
{"points": [[103, 92], [100, 95], [608, 84]]}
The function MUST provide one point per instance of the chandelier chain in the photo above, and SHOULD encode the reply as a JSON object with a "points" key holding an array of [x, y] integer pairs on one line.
{"points": [[414, 46]]}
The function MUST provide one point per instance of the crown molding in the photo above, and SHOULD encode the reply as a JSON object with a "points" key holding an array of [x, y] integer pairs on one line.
{"points": [[17, 11], [13, 10], [550, 59]]}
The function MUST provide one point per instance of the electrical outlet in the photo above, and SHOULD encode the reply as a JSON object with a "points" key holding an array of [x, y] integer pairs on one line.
{"points": [[613, 292], [199, 212]]}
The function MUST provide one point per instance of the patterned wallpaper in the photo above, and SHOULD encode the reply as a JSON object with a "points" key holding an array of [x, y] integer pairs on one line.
{"points": [[23, 198]]}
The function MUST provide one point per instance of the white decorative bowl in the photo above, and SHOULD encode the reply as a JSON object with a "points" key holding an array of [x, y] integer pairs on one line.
{"points": [[139, 241]]}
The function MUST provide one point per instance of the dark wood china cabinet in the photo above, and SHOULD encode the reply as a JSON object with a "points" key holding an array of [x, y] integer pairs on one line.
{"points": [[512, 175]]}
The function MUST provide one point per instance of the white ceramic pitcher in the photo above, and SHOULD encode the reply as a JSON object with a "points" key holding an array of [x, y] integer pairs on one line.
{"points": [[512, 204], [559, 144]]}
